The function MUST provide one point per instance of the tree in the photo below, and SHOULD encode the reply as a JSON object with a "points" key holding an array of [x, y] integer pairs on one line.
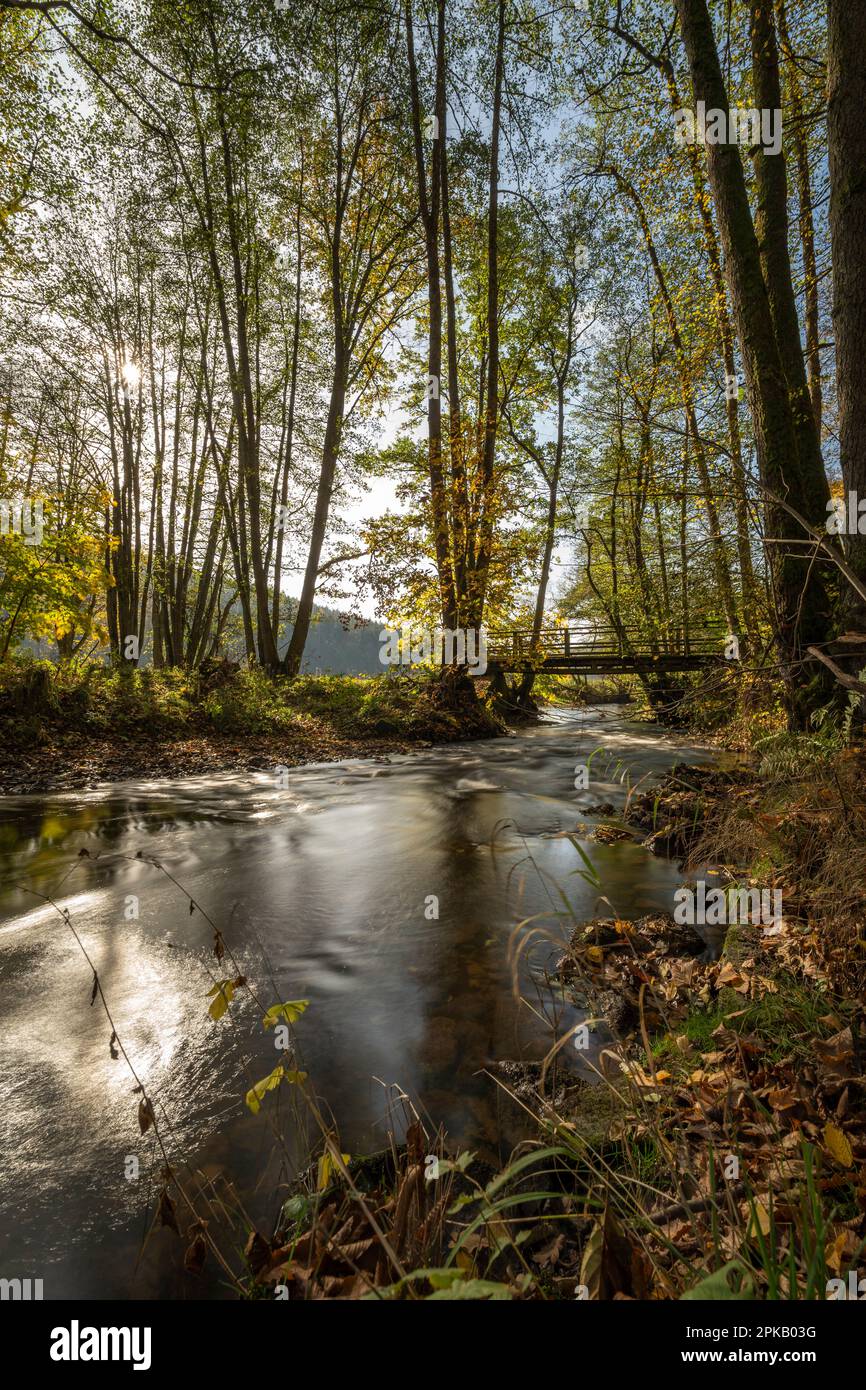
{"points": [[847, 151], [759, 273]]}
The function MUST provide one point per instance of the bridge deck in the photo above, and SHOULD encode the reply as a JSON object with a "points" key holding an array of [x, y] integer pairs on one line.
{"points": [[605, 651]]}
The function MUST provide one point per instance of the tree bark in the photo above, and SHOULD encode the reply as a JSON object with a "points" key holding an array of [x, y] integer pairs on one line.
{"points": [[771, 228], [330, 454], [430, 209], [802, 605], [491, 408], [805, 219], [847, 151], [456, 449], [720, 560]]}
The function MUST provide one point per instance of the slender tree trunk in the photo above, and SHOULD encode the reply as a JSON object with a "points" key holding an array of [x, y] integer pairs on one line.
{"points": [[720, 559], [771, 227], [847, 139], [738, 473], [290, 421], [491, 414], [526, 684], [806, 220], [456, 450], [684, 554], [330, 454], [741, 513], [429, 207]]}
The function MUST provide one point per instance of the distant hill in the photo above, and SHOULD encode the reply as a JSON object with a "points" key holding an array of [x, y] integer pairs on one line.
{"points": [[338, 645]]}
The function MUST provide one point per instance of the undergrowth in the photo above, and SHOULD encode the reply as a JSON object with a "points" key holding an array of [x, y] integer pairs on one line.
{"points": [[40, 701]]}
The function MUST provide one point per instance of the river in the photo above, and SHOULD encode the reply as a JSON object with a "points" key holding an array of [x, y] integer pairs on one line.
{"points": [[325, 889]]}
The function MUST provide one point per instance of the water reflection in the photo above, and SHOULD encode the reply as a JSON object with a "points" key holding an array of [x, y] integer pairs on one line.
{"points": [[323, 891]]}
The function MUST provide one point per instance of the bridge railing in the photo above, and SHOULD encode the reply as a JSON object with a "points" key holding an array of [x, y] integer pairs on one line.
{"points": [[567, 643]]}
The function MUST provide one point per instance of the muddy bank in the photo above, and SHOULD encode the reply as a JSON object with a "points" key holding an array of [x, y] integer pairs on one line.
{"points": [[628, 974], [675, 813], [78, 762]]}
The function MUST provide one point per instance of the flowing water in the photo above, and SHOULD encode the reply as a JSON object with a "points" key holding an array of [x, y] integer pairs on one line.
{"points": [[327, 890]]}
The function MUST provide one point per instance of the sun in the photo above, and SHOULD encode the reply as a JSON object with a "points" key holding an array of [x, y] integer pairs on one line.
{"points": [[130, 375]]}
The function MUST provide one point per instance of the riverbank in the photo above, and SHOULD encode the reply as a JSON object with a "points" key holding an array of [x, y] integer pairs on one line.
{"points": [[736, 1138], [719, 1151], [63, 728], [730, 1114]]}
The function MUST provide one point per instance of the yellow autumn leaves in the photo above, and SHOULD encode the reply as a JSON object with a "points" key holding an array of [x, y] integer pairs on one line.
{"points": [[288, 1012]]}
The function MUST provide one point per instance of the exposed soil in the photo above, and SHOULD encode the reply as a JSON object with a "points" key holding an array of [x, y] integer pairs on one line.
{"points": [[75, 761]]}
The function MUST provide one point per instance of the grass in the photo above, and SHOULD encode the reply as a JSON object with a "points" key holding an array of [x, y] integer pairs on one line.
{"points": [[782, 1230], [41, 700], [784, 1022]]}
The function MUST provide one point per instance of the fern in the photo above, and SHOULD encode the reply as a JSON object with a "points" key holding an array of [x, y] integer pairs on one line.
{"points": [[790, 755]]}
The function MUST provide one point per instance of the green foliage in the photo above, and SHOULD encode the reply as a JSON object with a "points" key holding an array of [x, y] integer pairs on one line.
{"points": [[288, 1012], [739, 708], [39, 697], [250, 702], [730, 1283], [221, 995], [281, 1073], [837, 725], [792, 755], [786, 1022], [48, 580], [568, 690], [447, 1284]]}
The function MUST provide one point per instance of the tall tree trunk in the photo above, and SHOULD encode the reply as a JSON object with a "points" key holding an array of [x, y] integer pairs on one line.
{"points": [[429, 207], [805, 219], [748, 585], [491, 414], [330, 454], [847, 141], [738, 473], [771, 228], [800, 595], [684, 554], [456, 449], [720, 559], [553, 478], [290, 420]]}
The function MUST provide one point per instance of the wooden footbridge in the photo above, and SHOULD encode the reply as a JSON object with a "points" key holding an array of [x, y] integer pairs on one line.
{"points": [[602, 651]]}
